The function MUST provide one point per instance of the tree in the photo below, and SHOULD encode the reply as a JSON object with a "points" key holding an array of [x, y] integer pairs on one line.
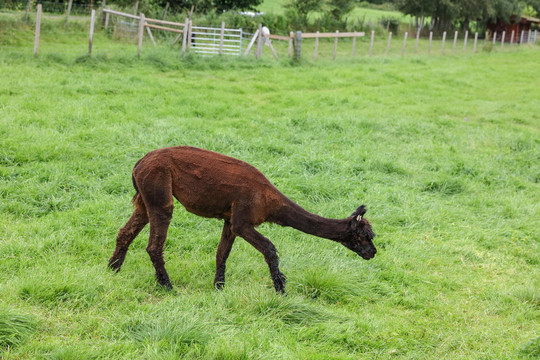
{"points": [[225, 5], [204, 6], [339, 8], [448, 13], [304, 7]]}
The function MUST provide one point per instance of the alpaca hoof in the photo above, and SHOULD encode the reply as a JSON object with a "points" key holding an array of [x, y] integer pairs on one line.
{"points": [[219, 285], [114, 265], [164, 281], [279, 283], [167, 287]]}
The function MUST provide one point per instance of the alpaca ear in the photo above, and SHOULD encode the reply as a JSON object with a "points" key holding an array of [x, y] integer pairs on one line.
{"points": [[359, 213]]}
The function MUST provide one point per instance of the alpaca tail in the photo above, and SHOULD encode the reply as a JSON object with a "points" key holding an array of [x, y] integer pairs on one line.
{"points": [[137, 198]]}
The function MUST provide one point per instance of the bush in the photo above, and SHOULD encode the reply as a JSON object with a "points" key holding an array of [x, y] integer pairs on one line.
{"points": [[390, 23]]}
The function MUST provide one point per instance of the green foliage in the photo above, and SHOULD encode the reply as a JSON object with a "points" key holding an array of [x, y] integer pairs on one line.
{"points": [[446, 13], [226, 5], [304, 7], [339, 8], [202, 6], [334, 12], [390, 23]]}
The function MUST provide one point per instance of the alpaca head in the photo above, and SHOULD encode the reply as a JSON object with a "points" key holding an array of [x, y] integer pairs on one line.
{"points": [[360, 235]]}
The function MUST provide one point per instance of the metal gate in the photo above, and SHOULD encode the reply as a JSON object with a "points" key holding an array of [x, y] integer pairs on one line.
{"points": [[214, 41]]}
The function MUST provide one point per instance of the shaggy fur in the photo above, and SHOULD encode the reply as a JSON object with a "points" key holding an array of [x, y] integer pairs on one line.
{"points": [[217, 186]]}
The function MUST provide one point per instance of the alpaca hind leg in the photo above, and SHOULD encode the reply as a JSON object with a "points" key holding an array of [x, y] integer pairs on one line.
{"points": [[155, 188], [160, 219], [223, 251], [268, 250], [126, 235]]}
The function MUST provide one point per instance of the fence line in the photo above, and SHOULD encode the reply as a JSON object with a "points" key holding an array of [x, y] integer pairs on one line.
{"points": [[531, 37], [224, 41]]}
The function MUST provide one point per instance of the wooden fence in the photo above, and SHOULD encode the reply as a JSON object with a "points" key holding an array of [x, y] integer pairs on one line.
{"points": [[525, 37], [229, 41]]}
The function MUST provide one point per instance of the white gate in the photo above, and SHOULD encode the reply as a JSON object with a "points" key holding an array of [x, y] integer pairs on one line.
{"points": [[214, 41]]}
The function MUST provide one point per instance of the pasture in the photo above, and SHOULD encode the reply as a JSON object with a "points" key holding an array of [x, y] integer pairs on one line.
{"points": [[444, 151]]}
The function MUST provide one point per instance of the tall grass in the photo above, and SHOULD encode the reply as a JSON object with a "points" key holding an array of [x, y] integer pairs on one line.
{"points": [[15, 329], [443, 150]]}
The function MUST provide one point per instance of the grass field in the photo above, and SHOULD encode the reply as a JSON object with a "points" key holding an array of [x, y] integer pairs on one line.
{"points": [[444, 151]]}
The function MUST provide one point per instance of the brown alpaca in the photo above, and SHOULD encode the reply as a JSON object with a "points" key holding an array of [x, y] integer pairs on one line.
{"points": [[217, 186]]}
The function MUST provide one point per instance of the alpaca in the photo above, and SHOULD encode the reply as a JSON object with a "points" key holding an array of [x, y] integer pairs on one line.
{"points": [[213, 185]]}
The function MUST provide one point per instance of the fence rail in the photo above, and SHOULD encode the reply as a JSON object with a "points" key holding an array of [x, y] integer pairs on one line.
{"points": [[336, 34]]}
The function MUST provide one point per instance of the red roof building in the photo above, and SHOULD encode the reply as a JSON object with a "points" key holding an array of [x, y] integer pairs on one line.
{"points": [[523, 27]]}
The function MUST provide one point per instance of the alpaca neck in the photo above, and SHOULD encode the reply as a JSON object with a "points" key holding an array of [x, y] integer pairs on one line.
{"points": [[295, 216]]}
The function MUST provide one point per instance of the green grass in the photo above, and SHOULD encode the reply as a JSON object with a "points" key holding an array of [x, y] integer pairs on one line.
{"points": [[275, 6], [444, 150]]}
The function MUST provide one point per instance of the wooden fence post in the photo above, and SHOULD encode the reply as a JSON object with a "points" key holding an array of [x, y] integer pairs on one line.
{"points": [[70, 4], [92, 20], [185, 36], [465, 40], [316, 46], [240, 44], [298, 45], [371, 42], [150, 35], [521, 38], [273, 50], [140, 33], [335, 45], [502, 39], [512, 38], [258, 50], [353, 45], [106, 20], [417, 39], [495, 37], [430, 40], [221, 36], [388, 44], [28, 4], [291, 37], [165, 11], [475, 41], [529, 36], [190, 35], [136, 8], [38, 26], [251, 42], [455, 41], [404, 43], [443, 41], [101, 14]]}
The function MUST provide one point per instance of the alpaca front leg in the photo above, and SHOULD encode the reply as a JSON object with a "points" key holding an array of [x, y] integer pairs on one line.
{"points": [[269, 252], [279, 279], [223, 251]]}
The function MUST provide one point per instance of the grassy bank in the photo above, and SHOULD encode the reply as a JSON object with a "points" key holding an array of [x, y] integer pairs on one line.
{"points": [[443, 150]]}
